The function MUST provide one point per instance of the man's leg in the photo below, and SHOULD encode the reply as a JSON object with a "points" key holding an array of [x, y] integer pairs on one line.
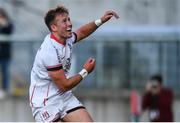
{"points": [[79, 115]]}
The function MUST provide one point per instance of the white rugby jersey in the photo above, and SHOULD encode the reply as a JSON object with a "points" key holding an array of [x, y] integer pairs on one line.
{"points": [[52, 55]]}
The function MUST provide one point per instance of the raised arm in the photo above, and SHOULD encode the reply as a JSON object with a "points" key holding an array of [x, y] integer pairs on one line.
{"points": [[87, 29]]}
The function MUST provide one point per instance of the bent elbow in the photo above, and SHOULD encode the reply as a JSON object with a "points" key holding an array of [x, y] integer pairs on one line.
{"points": [[62, 84]]}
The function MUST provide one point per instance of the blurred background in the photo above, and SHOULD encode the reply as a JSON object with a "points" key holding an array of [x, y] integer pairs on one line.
{"points": [[145, 40]]}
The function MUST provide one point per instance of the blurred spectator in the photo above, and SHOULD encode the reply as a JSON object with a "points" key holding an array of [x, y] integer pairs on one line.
{"points": [[158, 100], [6, 28]]}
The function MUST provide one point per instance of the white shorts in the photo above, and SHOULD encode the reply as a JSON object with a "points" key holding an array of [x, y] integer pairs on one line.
{"points": [[57, 109]]}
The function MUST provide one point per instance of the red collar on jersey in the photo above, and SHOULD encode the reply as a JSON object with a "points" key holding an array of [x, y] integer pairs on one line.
{"points": [[57, 40]]}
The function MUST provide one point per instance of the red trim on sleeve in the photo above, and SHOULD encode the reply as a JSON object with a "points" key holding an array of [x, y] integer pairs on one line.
{"points": [[54, 68], [57, 40]]}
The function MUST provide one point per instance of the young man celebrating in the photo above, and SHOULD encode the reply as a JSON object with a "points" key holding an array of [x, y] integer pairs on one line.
{"points": [[51, 98]]}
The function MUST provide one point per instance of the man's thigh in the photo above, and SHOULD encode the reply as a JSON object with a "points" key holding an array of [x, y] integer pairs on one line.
{"points": [[80, 115]]}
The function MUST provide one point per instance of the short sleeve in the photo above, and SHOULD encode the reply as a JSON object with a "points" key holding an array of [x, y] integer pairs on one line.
{"points": [[74, 37], [52, 60]]}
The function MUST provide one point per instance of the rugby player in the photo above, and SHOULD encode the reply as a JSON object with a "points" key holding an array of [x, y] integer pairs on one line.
{"points": [[50, 93]]}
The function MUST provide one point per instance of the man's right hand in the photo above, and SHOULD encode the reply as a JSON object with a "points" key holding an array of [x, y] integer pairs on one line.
{"points": [[3, 21], [90, 65]]}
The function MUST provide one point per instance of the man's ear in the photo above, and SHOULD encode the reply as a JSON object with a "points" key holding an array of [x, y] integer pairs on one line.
{"points": [[53, 27]]}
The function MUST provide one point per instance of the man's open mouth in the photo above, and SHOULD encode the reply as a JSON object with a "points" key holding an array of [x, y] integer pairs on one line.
{"points": [[69, 30]]}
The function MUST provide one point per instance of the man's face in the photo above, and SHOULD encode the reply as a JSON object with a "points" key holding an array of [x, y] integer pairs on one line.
{"points": [[62, 26]]}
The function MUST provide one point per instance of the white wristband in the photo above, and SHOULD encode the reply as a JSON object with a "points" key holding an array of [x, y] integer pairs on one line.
{"points": [[83, 73], [98, 22]]}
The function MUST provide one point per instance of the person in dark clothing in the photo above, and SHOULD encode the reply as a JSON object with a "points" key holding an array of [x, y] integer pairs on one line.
{"points": [[158, 100], [6, 29]]}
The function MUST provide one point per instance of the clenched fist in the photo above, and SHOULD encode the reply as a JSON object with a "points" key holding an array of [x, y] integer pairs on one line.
{"points": [[89, 65]]}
